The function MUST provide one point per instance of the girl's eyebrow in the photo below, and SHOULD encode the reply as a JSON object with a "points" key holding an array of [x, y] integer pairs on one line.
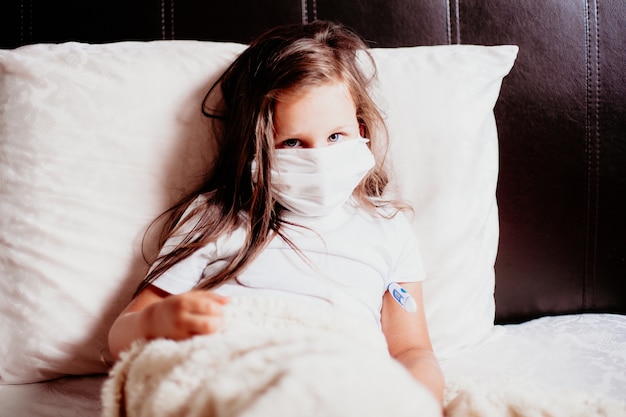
{"points": [[344, 127], [283, 136], [296, 135]]}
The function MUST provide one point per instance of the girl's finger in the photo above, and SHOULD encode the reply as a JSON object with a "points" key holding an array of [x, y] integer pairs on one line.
{"points": [[205, 324], [206, 303]]}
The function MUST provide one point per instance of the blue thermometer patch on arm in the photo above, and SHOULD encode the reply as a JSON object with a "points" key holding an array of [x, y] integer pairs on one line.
{"points": [[402, 297]]}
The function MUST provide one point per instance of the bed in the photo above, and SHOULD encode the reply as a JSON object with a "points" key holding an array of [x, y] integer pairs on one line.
{"points": [[508, 126]]}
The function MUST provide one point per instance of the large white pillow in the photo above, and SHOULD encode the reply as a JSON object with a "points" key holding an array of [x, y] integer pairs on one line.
{"points": [[439, 105], [96, 140]]}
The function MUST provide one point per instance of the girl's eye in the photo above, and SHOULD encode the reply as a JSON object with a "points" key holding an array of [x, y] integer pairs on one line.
{"points": [[290, 143], [335, 137]]}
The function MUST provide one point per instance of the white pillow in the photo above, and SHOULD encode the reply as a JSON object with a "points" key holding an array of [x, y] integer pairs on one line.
{"points": [[96, 140], [439, 101]]}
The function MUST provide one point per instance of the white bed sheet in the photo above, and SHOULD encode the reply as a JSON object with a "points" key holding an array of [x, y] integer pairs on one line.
{"points": [[583, 353], [576, 353], [65, 397]]}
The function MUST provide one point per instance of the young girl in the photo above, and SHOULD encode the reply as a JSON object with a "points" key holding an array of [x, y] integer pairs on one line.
{"points": [[294, 207]]}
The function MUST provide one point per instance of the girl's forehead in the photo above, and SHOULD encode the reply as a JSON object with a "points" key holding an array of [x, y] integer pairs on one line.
{"points": [[323, 92], [330, 90], [306, 86], [318, 109]]}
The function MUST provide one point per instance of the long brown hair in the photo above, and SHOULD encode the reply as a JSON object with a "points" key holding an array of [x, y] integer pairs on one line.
{"points": [[282, 61]]}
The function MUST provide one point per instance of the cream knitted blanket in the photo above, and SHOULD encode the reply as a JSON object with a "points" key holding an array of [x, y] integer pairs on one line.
{"points": [[279, 359], [275, 359], [509, 397]]}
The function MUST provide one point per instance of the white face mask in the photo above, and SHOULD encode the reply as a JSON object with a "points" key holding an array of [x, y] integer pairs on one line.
{"points": [[313, 182]]}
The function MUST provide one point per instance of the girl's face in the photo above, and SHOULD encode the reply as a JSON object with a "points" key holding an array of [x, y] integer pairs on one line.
{"points": [[320, 116]]}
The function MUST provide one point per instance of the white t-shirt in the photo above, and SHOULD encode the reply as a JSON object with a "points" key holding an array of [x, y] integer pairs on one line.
{"points": [[351, 257]]}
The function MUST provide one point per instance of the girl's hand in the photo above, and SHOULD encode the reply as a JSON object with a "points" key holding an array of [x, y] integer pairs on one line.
{"points": [[185, 315], [155, 313]]}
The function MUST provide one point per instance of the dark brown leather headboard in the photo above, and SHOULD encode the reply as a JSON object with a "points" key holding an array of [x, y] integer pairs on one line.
{"points": [[561, 115]]}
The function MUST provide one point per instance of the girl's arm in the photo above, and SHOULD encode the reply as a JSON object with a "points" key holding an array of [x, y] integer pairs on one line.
{"points": [[154, 314], [409, 342]]}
